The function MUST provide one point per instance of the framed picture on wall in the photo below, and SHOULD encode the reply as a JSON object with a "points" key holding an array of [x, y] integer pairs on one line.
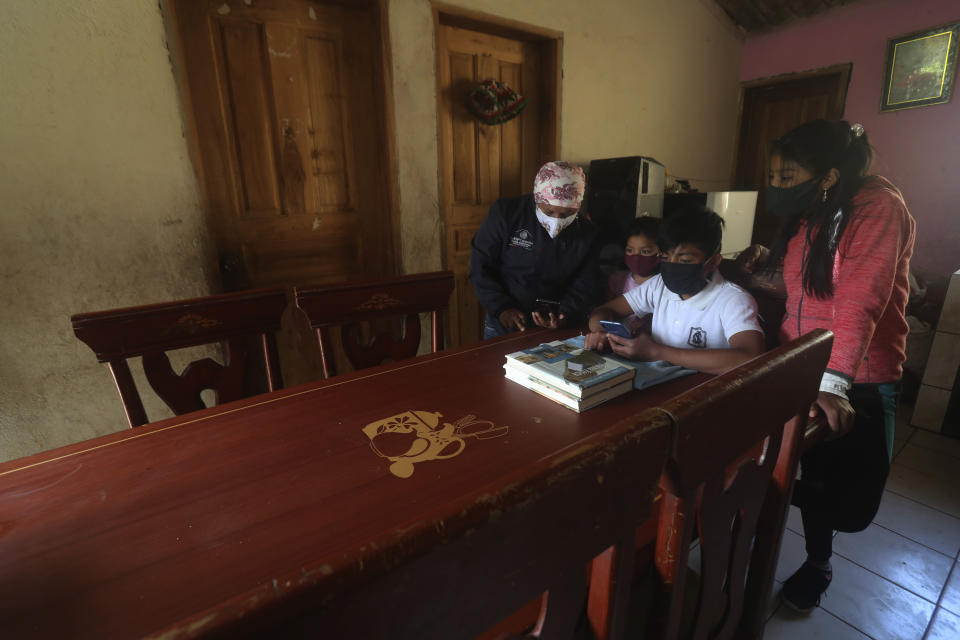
{"points": [[920, 68]]}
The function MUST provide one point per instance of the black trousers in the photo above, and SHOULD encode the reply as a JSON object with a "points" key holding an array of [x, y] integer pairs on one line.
{"points": [[841, 481]]}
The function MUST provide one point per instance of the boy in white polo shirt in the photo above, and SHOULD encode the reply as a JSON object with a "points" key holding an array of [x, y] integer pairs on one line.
{"points": [[700, 321]]}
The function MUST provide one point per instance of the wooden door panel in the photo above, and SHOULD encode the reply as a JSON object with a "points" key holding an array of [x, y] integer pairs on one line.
{"points": [[510, 154], [480, 163], [332, 257], [329, 126], [462, 134], [251, 124], [289, 107]]}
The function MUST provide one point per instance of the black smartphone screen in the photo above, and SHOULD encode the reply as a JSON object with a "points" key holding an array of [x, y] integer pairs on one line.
{"points": [[545, 307]]}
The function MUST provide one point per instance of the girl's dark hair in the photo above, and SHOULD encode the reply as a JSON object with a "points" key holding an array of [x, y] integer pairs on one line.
{"points": [[643, 226], [818, 146]]}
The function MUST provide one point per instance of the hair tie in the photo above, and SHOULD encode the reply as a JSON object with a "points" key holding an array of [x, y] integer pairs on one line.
{"points": [[857, 130]]}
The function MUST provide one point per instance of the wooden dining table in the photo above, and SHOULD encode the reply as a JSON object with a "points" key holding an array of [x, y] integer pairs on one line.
{"points": [[190, 525]]}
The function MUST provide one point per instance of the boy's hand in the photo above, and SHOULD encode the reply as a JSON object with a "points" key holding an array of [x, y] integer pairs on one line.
{"points": [[640, 347], [752, 258], [596, 341], [513, 319], [549, 321]]}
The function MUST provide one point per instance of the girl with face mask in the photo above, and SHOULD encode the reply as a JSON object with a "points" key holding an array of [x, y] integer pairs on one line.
{"points": [[641, 255], [843, 252], [642, 259]]}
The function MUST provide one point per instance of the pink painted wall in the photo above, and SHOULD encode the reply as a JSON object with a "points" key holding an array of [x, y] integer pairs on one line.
{"points": [[918, 149]]}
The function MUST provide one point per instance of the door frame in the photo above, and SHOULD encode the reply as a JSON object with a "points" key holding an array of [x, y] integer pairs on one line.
{"points": [[844, 70], [388, 128], [550, 44]]}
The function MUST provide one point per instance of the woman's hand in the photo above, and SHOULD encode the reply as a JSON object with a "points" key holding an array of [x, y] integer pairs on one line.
{"points": [[513, 319], [840, 415], [596, 341], [752, 258], [549, 321]]}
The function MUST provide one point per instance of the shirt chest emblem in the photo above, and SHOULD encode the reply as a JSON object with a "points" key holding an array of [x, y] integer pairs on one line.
{"points": [[521, 239], [698, 338]]}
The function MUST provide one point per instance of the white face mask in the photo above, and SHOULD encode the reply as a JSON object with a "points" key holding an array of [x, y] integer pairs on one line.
{"points": [[554, 226]]}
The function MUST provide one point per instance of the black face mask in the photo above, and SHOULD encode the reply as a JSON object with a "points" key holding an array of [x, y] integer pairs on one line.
{"points": [[791, 201], [683, 279]]}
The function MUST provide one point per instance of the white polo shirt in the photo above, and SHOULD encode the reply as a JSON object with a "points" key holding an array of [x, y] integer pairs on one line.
{"points": [[704, 321]]}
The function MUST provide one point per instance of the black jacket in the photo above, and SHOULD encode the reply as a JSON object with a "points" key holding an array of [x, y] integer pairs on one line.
{"points": [[514, 262]]}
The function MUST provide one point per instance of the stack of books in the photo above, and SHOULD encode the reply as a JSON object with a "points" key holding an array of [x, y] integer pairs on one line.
{"points": [[568, 375]]}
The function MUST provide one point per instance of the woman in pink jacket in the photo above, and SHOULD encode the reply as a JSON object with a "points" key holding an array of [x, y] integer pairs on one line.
{"points": [[843, 248]]}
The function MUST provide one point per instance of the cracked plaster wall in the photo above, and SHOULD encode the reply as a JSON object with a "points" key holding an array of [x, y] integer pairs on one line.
{"points": [[100, 206]]}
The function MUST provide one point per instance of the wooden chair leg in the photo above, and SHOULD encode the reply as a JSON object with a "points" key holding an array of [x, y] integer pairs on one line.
{"points": [[561, 609], [672, 555], [610, 581], [770, 530], [274, 377], [132, 405]]}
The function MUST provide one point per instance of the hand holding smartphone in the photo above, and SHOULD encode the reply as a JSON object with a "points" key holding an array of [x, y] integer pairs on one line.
{"points": [[546, 307], [616, 328]]}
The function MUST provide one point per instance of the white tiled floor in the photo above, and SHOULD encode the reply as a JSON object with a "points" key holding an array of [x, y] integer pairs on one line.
{"points": [[900, 578]]}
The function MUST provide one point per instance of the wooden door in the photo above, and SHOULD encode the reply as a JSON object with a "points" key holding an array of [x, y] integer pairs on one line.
{"points": [[288, 105], [770, 109], [481, 163]]}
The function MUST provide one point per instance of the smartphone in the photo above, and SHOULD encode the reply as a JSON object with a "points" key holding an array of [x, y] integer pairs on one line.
{"points": [[546, 307], [616, 328]]}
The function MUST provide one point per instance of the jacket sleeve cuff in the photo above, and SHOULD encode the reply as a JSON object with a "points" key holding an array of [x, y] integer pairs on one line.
{"points": [[835, 384]]}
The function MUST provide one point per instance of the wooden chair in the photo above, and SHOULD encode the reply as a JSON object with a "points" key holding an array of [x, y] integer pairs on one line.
{"points": [[149, 331], [735, 455], [737, 443], [533, 532], [350, 303]]}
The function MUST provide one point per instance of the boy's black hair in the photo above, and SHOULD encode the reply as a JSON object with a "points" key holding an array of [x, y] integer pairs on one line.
{"points": [[694, 225], [643, 226]]}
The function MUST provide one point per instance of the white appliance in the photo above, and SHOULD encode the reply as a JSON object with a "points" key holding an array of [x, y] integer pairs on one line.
{"points": [[650, 188], [737, 209]]}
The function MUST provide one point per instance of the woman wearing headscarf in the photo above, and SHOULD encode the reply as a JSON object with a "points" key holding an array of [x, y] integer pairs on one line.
{"points": [[537, 246]]}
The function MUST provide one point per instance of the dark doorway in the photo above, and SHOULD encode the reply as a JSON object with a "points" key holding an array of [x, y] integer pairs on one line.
{"points": [[770, 108]]}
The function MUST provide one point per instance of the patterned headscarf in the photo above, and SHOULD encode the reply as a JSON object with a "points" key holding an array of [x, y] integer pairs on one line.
{"points": [[559, 184]]}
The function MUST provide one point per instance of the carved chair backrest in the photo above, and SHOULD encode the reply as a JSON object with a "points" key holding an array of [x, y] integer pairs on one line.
{"points": [[534, 534], [150, 331], [349, 304], [736, 448]]}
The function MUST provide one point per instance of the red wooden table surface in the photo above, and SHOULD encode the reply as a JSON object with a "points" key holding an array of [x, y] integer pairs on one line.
{"points": [[215, 515]]}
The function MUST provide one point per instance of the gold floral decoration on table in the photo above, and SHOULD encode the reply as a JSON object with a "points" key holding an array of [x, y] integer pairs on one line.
{"points": [[421, 438]]}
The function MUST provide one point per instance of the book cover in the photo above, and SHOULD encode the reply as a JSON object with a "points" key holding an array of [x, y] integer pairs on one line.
{"points": [[569, 368], [566, 399], [647, 374]]}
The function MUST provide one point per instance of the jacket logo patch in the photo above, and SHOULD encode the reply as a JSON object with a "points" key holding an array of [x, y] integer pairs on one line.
{"points": [[521, 239], [698, 338]]}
